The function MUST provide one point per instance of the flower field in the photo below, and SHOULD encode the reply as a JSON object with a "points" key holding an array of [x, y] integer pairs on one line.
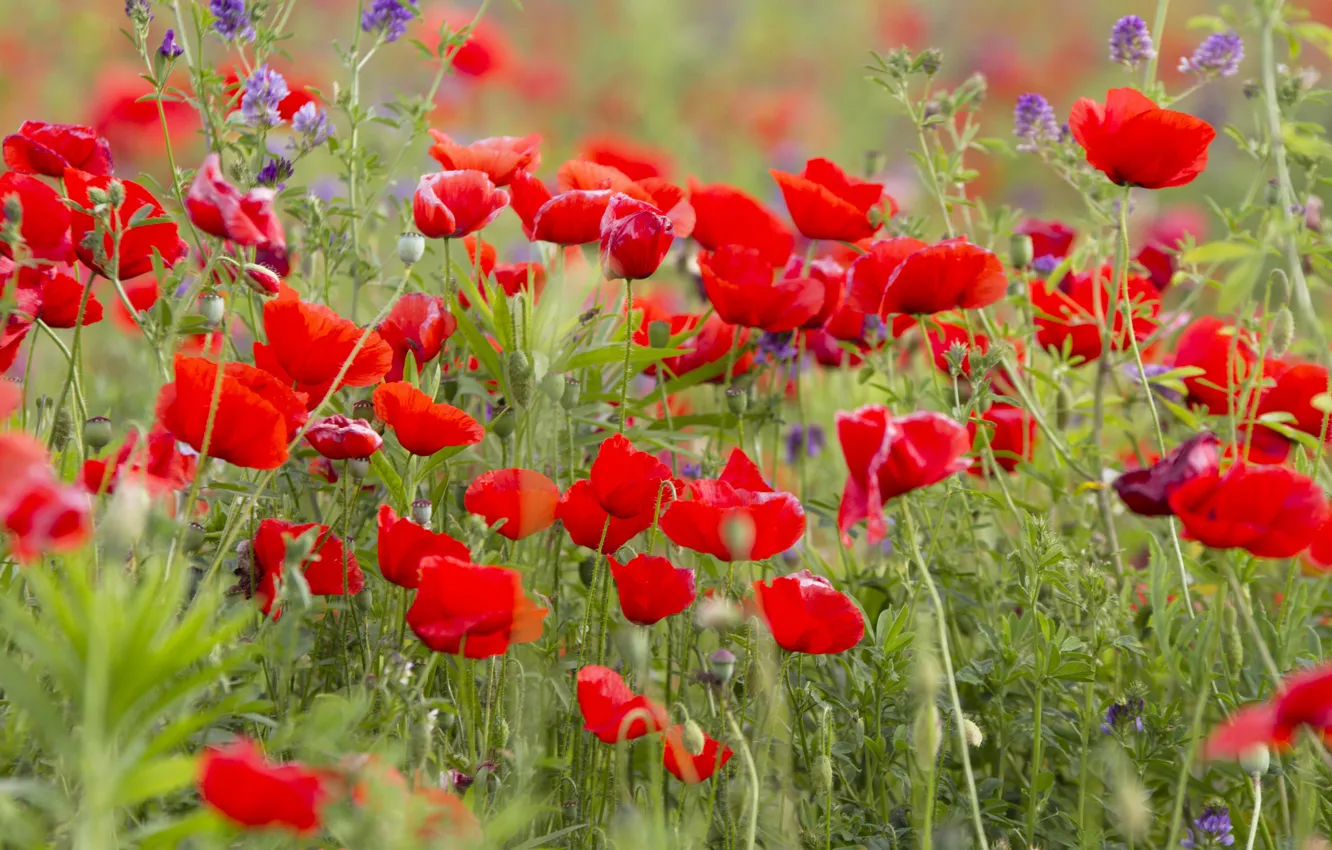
{"points": [[591, 425]]}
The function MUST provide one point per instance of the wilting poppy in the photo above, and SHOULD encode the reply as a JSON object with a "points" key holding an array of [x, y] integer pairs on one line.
{"points": [[636, 161], [53, 297], [634, 239], [570, 218], [41, 514], [475, 610], [1304, 701], [156, 462], [651, 588], [1012, 436], [1223, 353], [686, 767], [338, 437], [310, 343], [220, 209], [1269, 511], [45, 220], [418, 323], [402, 544], [739, 283], [137, 244], [523, 498], [324, 569], [825, 203], [1072, 315], [952, 275], [725, 216], [611, 711], [888, 456], [238, 783], [1147, 491], [735, 517], [498, 157], [1136, 143], [450, 204], [423, 426], [1050, 240], [48, 149], [806, 614], [1295, 391]]}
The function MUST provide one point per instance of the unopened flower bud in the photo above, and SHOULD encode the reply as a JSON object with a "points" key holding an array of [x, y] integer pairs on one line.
{"points": [[1256, 760], [659, 333], [737, 400], [504, 423], [520, 378], [693, 738], [448, 388], [61, 430], [552, 386], [411, 247], [722, 664], [115, 193], [97, 433], [823, 775], [1233, 636], [569, 400], [421, 511], [212, 308], [1283, 331], [1021, 251], [262, 279], [194, 537], [358, 468], [587, 571], [930, 61]]}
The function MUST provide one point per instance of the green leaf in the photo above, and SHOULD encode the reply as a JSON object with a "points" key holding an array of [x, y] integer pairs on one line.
{"points": [[1316, 34], [155, 778], [614, 353], [379, 463], [1220, 252]]}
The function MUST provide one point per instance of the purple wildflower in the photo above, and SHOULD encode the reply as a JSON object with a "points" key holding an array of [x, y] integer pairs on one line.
{"points": [[169, 48], [1218, 56], [1214, 829], [811, 440], [872, 328], [1128, 712], [1045, 264], [311, 124], [231, 20], [776, 346], [274, 172], [1131, 41], [1034, 122], [138, 11], [691, 470], [264, 92], [1130, 371], [388, 17]]}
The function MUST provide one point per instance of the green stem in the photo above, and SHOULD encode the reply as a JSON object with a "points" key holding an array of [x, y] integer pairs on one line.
{"points": [[628, 346], [1257, 815]]}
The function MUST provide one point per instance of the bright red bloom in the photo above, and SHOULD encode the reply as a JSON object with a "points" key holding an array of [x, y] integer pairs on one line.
{"points": [[423, 426], [711, 344], [1318, 557], [952, 275], [581, 175], [611, 711], [48, 149], [419, 323], [1072, 314], [727, 216], [867, 283], [673, 203], [1303, 701], [481, 255], [310, 342], [569, 218], [1296, 388], [237, 782], [324, 568], [1050, 239], [739, 283], [691, 769], [1147, 492], [475, 610], [520, 277], [450, 204], [737, 516], [45, 222], [523, 498], [627, 482], [1012, 437], [157, 462], [402, 544], [887, 456], [825, 203], [15, 330], [339, 438], [1223, 353], [498, 157], [651, 588], [41, 514], [256, 415], [1269, 511], [591, 526], [636, 161], [52, 296], [824, 272], [137, 245], [220, 209], [806, 614], [1136, 143], [634, 239]]}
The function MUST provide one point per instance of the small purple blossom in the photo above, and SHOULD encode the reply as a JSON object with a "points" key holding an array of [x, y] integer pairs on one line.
{"points": [[311, 124], [274, 172], [388, 17], [871, 329], [776, 346], [169, 48], [1218, 56], [1130, 371], [231, 20], [811, 439], [1213, 829], [138, 11], [1034, 122], [1045, 264], [264, 92], [1125, 713], [691, 470], [1131, 41]]}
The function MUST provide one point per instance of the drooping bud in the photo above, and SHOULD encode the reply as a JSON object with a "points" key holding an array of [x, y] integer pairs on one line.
{"points": [[126, 515], [411, 247], [97, 433], [520, 378], [212, 308], [1021, 250], [659, 333], [693, 738], [421, 511], [1283, 331], [722, 664]]}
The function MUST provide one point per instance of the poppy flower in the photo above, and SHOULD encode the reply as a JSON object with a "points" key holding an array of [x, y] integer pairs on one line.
{"points": [[423, 426], [1296, 388], [481, 255], [651, 588], [122, 111], [48, 149], [450, 204], [673, 203], [15, 330], [888, 456], [825, 203], [581, 175], [611, 711], [634, 239], [51, 296], [1012, 436], [725, 216], [520, 277], [1224, 354], [692, 769], [1318, 557], [712, 343], [866, 283], [1050, 240], [735, 517], [402, 544], [589, 524], [633, 159], [1070, 316], [739, 283], [340, 438], [475, 610], [1136, 143], [952, 275], [498, 157], [1304, 701], [40, 514], [155, 461], [324, 568], [806, 614], [570, 218], [1269, 511], [419, 323], [827, 350], [44, 226], [523, 498], [139, 244], [220, 209], [238, 783], [308, 343], [1147, 492], [256, 416], [627, 482], [829, 274]]}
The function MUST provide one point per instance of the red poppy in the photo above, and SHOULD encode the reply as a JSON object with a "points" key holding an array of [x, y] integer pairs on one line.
{"points": [[866, 284], [51, 296], [297, 95], [498, 157], [309, 343], [237, 782], [523, 499], [11, 398], [1269, 511], [220, 209], [826, 272], [256, 416], [339, 438], [324, 569], [636, 161], [481, 255], [807, 614], [825, 203], [1225, 355], [1147, 491], [634, 239], [450, 204], [828, 350], [627, 482], [1296, 389], [475, 610], [520, 277], [945, 336], [15, 330], [419, 323], [1049, 239], [423, 426], [651, 588], [139, 244], [41, 514], [735, 517], [588, 523], [569, 218], [156, 462], [485, 51], [673, 203], [887, 456], [402, 544], [124, 109], [1071, 316], [1012, 436], [952, 275], [1136, 143], [1303, 701], [692, 769], [142, 293], [739, 283], [48, 149], [611, 711], [727, 216], [44, 226], [1318, 557], [710, 344]]}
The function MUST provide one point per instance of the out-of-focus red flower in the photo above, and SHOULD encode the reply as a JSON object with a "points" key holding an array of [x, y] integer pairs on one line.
{"points": [[475, 610], [1269, 511], [481, 255], [48, 149], [569, 218], [952, 275], [825, 203], [727, 216], [418, 323], [1072, 314], [238, 783], [310, 342], [124, 110], [156, 462], [1257, 443], [1297, 386], [692, 769], [735, 517], [632, 159], [486, 51], [338, 437], [45, 222], [887, 456], [51, 296], [739, 283], [826, 272], [711, 344], [1304, 701], [498, 157], [1147, 491], [520, 277], [523, 498], [651, 588], [136, 245], [11, 338], [220, 209], [1136, 143], [947, 336], [402, 544], [611, 711], [1318, 557], [1051, 239], [828, 350], [11, 398], [806, 614], [324, 568], [673, 203], [634, 239], [423, 426], [1163, 240], [297, 94], [40, 514], [255, 419], [1012, 436], [142, 293], [1223, 353], [450, 204]]}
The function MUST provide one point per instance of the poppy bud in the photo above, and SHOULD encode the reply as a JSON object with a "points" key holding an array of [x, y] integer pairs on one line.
{"points": [[569, 400], [520, 377], [659, 333], [61, 430], [421, 510], [926, 735], [194, 537], [635, 237], [1283, 331], [552, 386], [587, 571], [97, 433], [693, 738], [737, 400], [1021, 250], [411, 247], [722, 664], [504, 423], [1256, 761], [212, 308], [262, 279], [823, 774], [1234, 640], [115, 193], [358, 468], [448, 388]]}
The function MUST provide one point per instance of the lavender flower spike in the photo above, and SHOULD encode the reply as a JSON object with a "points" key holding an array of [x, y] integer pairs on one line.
{"points": [[264, 92], [1218, 56], [311, 124], [388, 17], [1131, 41], [1034, 122], [232, 20]]}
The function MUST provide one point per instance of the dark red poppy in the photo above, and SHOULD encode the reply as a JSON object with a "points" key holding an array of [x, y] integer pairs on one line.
{"points": [[156, 462], [338, 437], [139, 244], [419, 323], [51, 296], [48, 149], [1147, 491], [1071, 316], [806, 614], [1269, 511], [1257, 443], [475, 610], [569, 218], [888, 456], [402, 544], [1049, 239], [256, 415], [828, 350], [633, 159], [1135, 143], [825, 203], [634, 239], [1224, 354], [692, 769], [45, 222], [423, 426], [739, 283], [611, 711], [330, 569], [651, 588], [1012, 436], [451, 204], [41, 514], [498, 157], [523, 499], [1297, 386], [952, 275], [1304, 701], [735, 517], [727, 216], [238, 783], [220, 209], [310, 343]]}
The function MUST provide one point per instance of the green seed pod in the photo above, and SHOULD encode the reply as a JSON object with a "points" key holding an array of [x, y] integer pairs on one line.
{"points": [[1234, 638], [358, 468], [552, 386], [659, 333], [97, 433], [1278, 291], [520, 378], [212, 308], [587, 571], [722, 664], [693, 738], [569, 399], [61, 430], [421, 510], [1021, 251], [504, 423], [737, 400], [1283, 331], [1256, 761], [823, 775], [411, 247], [194, 537]]}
